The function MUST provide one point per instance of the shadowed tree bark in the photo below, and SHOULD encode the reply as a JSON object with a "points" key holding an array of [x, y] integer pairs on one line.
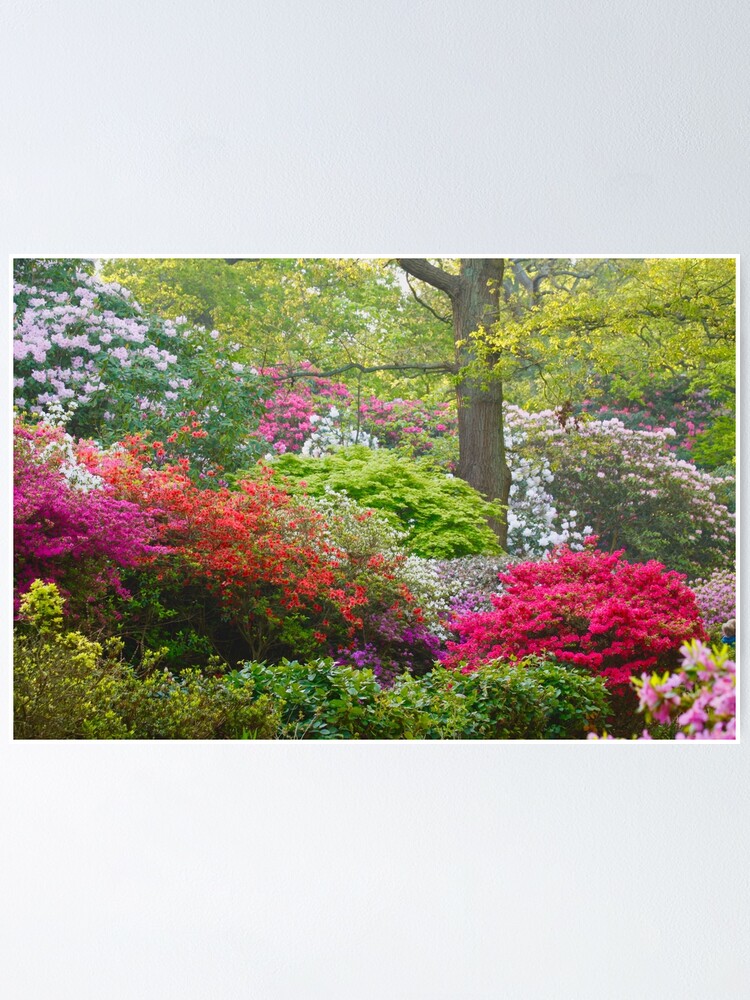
{"points": [[474, 295]]}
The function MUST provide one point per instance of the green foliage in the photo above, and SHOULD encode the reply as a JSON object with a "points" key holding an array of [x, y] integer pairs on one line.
{"points": [[575, 700], [162, 613], [503, 703], [424, 708], [322, 699], [638, 323], [533, 699], [318, 700], [67, 686], [442, 517], [328, 311], [717, 446]]}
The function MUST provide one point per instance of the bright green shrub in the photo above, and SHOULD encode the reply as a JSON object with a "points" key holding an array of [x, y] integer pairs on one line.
{"points": [[717, 446], [442, 516], [64, 684], [69, 687]]}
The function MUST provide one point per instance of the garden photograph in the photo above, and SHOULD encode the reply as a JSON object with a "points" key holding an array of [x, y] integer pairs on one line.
{"points": [[374, 498]]}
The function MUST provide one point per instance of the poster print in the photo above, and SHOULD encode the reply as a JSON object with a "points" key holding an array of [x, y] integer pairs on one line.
{"points": [[370, 498]]}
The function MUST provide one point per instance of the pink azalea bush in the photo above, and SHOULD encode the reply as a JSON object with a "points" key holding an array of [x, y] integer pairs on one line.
{"points": [[311, 415], [591, 609], [700, 696]]}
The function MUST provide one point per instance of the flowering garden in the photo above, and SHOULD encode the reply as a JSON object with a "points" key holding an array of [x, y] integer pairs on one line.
{"points": [[217, 537]]}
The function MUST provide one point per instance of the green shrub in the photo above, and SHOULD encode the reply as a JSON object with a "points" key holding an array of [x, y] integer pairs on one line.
{"points": [[316, 700], [503, 702], [530, 699], [533, 699], [67, 686], [193, 706], [424, 708], [442, 516], [575, 700], [322, 699]]}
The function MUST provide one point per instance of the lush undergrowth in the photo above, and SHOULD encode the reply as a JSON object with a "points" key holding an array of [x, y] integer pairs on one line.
{"points": [[68, 686]]}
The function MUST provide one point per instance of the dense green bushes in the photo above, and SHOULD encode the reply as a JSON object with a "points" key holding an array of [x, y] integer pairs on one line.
{"points": [[69, 687], [529, 700]]}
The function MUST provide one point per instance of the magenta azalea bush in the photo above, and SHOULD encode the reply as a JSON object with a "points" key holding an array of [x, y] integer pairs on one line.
{"points": [[69, 527], [590, 609]]}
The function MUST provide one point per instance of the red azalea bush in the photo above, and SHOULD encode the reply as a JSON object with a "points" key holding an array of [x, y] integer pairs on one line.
{"points": [[270, 561], [589, 608], [70, 528]]}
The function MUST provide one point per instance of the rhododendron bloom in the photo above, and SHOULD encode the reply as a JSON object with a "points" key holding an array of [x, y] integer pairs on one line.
{"points": [[589, 608]]}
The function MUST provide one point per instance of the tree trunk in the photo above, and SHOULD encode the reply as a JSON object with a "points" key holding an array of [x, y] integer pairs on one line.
{"points": [[475, 300], [481, 444]]}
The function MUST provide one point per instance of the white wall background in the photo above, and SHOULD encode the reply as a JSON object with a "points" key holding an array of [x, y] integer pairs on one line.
{"points": [[287, 872]]}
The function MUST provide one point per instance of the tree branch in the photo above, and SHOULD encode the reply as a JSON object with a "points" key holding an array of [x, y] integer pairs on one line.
{"points": [[426, 305], [522, 276], [438, 366], [420, 267]]}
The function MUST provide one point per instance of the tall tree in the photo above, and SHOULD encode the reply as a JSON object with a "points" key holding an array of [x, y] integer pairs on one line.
{"points": [[475, 293]]}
